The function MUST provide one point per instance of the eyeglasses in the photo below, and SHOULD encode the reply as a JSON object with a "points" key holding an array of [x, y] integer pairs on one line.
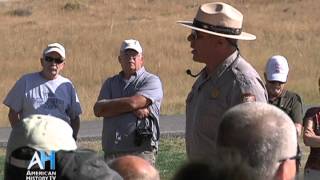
{"points": [[296, 157], [127, 56], [51, 59]]}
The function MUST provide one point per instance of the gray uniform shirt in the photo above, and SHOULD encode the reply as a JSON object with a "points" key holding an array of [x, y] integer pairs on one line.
{"points": [[211, 96], [119, 131]]}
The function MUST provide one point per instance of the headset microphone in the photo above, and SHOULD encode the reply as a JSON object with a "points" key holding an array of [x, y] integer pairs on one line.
{"points": [[188, 71]]}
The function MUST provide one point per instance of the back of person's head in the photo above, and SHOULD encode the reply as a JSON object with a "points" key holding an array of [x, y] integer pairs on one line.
{"points": [[134, 168], [227, 166], [41, 132], [33, 137], [41, 136], [83, 164], [263, 134]]}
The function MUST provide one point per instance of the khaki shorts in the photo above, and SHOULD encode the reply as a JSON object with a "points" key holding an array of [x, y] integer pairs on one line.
{"points": [[149, 156]]}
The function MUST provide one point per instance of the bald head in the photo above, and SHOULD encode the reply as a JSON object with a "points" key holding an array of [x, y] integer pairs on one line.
{"points": [[262, 133], [134, 168]]}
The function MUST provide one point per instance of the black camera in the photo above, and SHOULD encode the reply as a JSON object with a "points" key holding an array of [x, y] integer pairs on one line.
{"points": [[143, 131]]}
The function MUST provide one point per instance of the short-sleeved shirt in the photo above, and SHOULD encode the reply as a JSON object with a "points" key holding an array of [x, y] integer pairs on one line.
{"points": [[214, 94], [291, 104], [33, 94], [313, 161], [118, 134]]}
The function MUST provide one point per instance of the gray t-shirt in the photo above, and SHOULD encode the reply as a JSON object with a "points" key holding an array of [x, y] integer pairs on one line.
{"points": [[119, 131], [214, 94], [33, 94]]}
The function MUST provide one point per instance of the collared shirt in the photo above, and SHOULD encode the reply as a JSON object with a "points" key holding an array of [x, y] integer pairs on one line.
{"points": [[211, 96], [119, 131], [291, 104]]}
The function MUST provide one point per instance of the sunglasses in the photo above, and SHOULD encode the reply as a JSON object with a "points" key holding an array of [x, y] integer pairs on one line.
{"points": [[51, 59], [275, 82]]}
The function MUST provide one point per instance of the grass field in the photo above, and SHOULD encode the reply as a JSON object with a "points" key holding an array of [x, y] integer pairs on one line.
{"points": [[92, 31]]}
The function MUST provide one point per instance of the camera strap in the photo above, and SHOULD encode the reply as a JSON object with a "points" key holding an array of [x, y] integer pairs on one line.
{"points": [[155, 121]]}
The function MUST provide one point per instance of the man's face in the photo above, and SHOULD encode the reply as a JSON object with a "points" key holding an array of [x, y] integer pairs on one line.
{"points": [[274, 88], [131, 61], [204, 46], [52, 63]]}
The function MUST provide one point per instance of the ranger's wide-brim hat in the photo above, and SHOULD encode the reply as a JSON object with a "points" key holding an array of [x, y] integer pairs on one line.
{"points": [[219, 19]]}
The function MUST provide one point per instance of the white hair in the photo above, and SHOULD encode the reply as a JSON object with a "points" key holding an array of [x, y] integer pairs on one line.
{"points": [[262, 133]]}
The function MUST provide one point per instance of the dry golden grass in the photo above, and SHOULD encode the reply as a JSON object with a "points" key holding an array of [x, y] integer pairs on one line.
{"points": [[92, 31]]}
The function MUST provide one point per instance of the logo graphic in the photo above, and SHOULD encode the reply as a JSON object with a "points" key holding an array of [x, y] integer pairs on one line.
{"points": [[41, 161]]}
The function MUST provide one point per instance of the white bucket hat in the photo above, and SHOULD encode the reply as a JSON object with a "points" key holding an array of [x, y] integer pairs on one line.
{"points": [[277, 69], [42, 132], [219, 19]]}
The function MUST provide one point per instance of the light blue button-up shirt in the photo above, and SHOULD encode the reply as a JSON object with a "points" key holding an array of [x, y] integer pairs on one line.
{"points": [[119, 131]]}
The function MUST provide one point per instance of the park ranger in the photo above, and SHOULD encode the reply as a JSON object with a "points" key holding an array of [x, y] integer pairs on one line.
{"points": [[225, 81]]}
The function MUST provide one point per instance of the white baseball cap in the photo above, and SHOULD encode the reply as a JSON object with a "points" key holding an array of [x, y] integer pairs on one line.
{"points": [[131, 44], [277, 69], [42, 132], [55, 47]]}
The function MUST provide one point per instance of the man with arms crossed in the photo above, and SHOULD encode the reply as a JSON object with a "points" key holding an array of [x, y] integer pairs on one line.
{"points": [[125, 100]]}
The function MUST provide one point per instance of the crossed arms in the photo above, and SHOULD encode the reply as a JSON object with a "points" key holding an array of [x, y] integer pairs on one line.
{"points": [[137, 104], [309, 136]]}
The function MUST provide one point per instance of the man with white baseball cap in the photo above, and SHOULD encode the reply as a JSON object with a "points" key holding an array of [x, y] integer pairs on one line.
{"points": [[226, 80], [129, 103], [276, 76], [45, 92]]}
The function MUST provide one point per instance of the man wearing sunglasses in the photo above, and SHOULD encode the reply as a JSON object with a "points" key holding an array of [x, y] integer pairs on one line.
{"points": [[276, 76], [45, 92], [264, 136]]}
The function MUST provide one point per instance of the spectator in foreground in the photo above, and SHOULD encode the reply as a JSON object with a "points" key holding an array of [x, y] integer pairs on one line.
{"points": [[264, 136], [39, 138]]}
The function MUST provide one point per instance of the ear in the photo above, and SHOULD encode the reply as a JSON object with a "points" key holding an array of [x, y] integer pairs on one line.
{"points": [[286, 170], [41, 61], [119, 59]]}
